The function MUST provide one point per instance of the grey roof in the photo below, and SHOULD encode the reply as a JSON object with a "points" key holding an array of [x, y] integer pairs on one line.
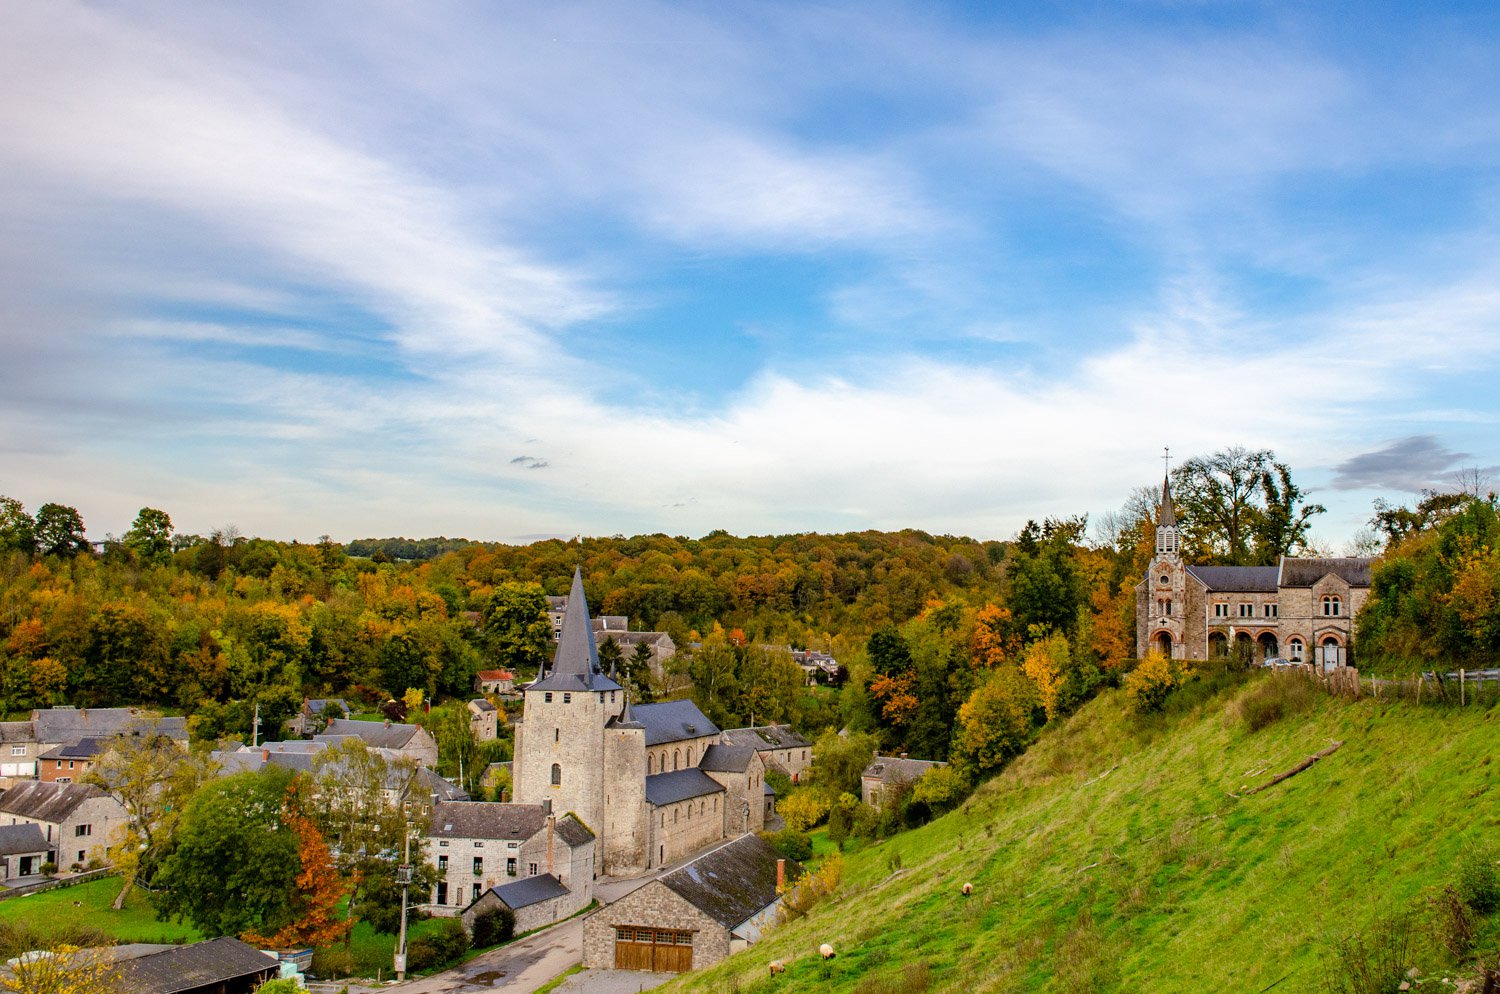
{"points": [[1166, 513], [727, 759], [381, 735], [428, 783], [733, 883], [574, 832], [625, 638], [679, 785], [575, 666], [82, 749], [894, 769], [673, 721], [46, 801], [66, 725], [17, 731], [1353, 570], [769, 791], [480, 704], [18, 839], [1237, 579], [766, 737], [486, 820], [527, 891], [187, 968], [315, 705]]}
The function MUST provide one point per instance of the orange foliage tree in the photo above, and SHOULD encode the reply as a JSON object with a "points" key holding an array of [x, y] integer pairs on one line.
{"points": [[319, 891]]}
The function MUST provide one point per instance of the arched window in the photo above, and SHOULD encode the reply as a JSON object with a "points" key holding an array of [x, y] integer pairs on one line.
{"points": [[1294, 650], [556, 775], [650, 764], [690, 755], [676, 758], [1332, 606]]}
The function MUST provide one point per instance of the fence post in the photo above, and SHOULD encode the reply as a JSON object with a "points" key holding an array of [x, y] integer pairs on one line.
{"points": [[1462, 692]]}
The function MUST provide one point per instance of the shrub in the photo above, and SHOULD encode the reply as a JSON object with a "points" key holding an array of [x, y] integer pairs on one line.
{"points": [[48, 869], [1479, 877], [804, 808], [19, 935], [334, 962], [442, 947], [1373, 962], [1148, 685], [802, 895], [1273, 698], [940, 788], [791, 843], [1453, 922], [494, 926]]}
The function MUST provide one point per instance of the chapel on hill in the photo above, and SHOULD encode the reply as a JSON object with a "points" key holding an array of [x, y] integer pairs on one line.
{"points": [[1301, 609], [653, 782]]}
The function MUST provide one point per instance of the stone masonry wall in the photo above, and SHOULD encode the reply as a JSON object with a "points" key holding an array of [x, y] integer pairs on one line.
{"points": [[653, 906]]}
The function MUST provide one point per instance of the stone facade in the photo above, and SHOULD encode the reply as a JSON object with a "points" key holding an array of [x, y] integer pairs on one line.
{"points": [[1302, 609], [658, 907], [475, 846], [78, 821], [779, 747], [484, 720]]}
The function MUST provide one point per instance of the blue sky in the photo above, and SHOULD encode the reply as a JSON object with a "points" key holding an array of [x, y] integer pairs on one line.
{"points": [[505, 270]]}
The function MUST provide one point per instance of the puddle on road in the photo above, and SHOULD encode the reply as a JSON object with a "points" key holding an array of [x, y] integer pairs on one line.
{"points": [[488, 977]]}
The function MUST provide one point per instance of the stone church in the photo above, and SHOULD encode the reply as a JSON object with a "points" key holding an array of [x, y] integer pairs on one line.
{"points": [[1301, 609], [653, 782]]}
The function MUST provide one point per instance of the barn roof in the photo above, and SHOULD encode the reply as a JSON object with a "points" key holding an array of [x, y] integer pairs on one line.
{"points": [[46, 801], [187, 968], [527, 891], [733, 883]]}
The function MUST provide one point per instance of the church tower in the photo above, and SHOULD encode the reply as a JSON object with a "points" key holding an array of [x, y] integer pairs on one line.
{"points": [[1161, 599], [560, 742]]}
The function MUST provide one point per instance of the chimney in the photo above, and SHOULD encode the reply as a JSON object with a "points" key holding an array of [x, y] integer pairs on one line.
{"points": [[265, 755], [780, 874], [551, 832]]}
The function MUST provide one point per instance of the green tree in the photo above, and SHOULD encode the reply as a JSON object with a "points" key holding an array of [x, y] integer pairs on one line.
{"points": [[997, 722], [1285, 517], [17, 530], [838, 760], [610, 654], [59, 531], [638, 676], [234, 864], [516, 628], [150, 537]]}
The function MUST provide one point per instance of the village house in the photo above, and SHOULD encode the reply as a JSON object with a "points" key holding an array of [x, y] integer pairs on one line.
{"points": [[23, 850], [495, 682], [780, 748], [425, 787], [483, 720], [694, 916], [475, 846], [394, 739], [563, 888], [19, 750], [315, 713], [65, 764], [66, 726], [888, 776], [78, 821], [1301, 609]]}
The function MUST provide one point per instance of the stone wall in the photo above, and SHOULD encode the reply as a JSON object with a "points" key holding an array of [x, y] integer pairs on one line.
{"points": [[624, 834], [653, 906]]}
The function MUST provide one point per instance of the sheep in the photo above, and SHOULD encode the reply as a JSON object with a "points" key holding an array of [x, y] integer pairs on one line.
{"points": [[826, 951], [777, 966], [968, 888]]}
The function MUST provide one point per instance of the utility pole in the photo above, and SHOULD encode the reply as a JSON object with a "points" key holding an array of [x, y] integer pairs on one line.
{"points": [[255, 728], [403, 877]]}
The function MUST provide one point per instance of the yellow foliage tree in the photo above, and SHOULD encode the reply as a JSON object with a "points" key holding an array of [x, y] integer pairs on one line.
{"points": [[1044, 663], [1147, 686], [800, 896], [804, 809], [64, 970]]}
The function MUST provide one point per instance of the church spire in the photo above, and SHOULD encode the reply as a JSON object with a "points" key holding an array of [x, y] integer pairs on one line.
{"points": [[575, 665], [1167, 514], [1166, 523]]}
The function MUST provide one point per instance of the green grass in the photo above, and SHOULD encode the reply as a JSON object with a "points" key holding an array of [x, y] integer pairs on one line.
{"points": [[556, 981], [1113, 855], [136, 922]]}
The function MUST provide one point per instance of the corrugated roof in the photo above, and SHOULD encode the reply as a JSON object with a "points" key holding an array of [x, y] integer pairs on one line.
{"points": [[733, 883], [575, 665], [679, 785], [1304, 572], [18, 839], [673, 721], [727, 759], [187, 968], [1237, 579], [574, 832], [530, 890], [46, 801], [766, 737], [486, 820]]}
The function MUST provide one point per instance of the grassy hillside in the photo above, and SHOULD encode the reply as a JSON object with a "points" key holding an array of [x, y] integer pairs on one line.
{"points": [[1114, 856]]}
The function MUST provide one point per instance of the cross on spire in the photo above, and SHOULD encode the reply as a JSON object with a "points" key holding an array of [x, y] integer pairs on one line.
{"points": [[1166, 460]]}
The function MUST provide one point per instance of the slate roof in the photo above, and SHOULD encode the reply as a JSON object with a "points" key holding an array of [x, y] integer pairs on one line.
{"points": [[733, 883], [18, 839], [1237, 579], [1353, 570], [46, 801], [527, 891], [766, 737], [428, 783], [894, 769], [679, 785], [575, 665], [480, 704], [486, 820], [17, 731], [316, 705], [574, 832], [187, 968], [381, 735], [65, 725], [673, 721], [82, 749], [1166, 511], [726, 759]]}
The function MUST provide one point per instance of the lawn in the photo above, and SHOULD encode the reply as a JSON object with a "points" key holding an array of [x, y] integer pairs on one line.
{"points": [[89, 904]]}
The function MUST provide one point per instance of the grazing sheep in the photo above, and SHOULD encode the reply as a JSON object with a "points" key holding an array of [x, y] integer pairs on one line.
{"points": [[826, 951], [968, 888], [777, 967]]}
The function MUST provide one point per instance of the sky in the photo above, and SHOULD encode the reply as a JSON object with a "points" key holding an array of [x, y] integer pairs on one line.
{"points": [[509, 270]]}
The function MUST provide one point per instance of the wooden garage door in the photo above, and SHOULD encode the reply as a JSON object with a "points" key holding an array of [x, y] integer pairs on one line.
{"points": [[658, 950]]}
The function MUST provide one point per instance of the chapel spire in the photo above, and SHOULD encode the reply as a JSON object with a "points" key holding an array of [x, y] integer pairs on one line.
{"points": [[1167, 538], [575, 665]]}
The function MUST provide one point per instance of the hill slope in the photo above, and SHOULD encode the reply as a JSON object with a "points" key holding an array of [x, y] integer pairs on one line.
{"points": [[1112, 855]]}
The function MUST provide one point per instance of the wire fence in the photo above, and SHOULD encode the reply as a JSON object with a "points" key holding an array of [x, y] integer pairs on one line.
{"points": [[1462, 687]]}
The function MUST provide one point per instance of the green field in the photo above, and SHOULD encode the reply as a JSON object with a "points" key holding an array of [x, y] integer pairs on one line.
{"points": [[89, 904], [1120, 853]]}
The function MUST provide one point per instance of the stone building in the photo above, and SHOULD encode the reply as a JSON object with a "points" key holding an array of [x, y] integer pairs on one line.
{"points": [[887, 776], [694, 916], [631, 773], [780, 748], [394, 739], [484, 720], [476, 846], [1302, 609], [78, 821]]}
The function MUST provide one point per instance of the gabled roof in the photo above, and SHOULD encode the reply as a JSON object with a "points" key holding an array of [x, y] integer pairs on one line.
{"points": [[727, 759], [673, 721], [679, 785], [575, 665], [65, 725], [500, 675], [894, 769], [427, 783], [733, 883], [46, 801], [766, 737], [481, 704], [381, 735], [315, 705], [486, 820], [82, 749], [1353, 570], [1237, 579], [527, 891], [186, 968], [18, 839], [574, 832], [17, 731]]}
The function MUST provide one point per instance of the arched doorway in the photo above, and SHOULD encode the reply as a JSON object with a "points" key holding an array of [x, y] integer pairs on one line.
{"points": [[1268, 646], [1244, 648], [1164, 644], [1218, 645], [1330, 653]]}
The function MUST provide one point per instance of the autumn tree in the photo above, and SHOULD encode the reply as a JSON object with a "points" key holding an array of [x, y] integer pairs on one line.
{"points": [[997, 722], [17, 530], [59, 531], [1240, 507], [62, 970], [150, 536], [314, 910]]}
